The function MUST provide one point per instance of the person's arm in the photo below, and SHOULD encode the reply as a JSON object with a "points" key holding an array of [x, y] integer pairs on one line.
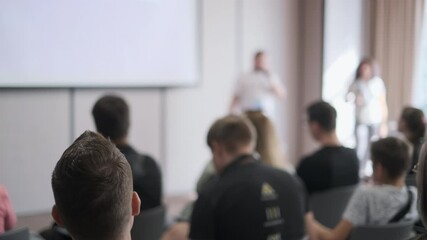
{"points": [[10, 217], [202, 226], [340, 232], [277, 87]]}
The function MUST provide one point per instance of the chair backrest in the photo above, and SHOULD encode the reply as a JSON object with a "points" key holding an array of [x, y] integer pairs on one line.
{"points": [[328, 206], [149, 225], [393, 231], [16, 234]]}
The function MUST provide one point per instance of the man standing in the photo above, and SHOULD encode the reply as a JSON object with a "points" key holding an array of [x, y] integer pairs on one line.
{"points": [[333, 165], [258, 89], [111, 115], [248, 200]]}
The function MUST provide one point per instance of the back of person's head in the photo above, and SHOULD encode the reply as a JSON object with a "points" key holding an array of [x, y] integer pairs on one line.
{"points": [[233, 133], [92, 186], [111, 114], [267, 144], [323, 115], [393, 155], [412, 121], [422, 183]]}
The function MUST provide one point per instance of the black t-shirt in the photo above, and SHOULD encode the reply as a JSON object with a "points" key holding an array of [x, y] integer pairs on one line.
{"points": [[250, 200], [147, 180], [328, 168]]}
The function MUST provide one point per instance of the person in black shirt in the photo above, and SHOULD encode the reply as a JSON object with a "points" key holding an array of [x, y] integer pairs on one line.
{"points": [[248, 199], [333, 165], [111, 115]]}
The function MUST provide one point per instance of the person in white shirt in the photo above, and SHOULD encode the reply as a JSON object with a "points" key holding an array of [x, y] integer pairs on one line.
{"points": [[258, 89], [369, 95]]}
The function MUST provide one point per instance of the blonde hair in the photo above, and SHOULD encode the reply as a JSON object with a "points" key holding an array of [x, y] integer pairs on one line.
{"points": [[267, 144]]}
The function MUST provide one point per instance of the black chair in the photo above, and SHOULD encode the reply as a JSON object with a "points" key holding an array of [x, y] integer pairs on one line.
{"points": [[328, 206], [393, 231], [16, 234], [149, 225]]}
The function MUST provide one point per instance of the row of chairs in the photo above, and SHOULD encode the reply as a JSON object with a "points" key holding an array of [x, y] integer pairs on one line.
{"points": [[149, 225], [329, 206]]}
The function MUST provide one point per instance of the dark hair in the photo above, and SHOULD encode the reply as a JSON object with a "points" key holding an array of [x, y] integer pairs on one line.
{"points": [[232, 131], [393, 155], [111, 114], [92, 186], [258, 54], [324, 114], [372, 63], [414, 121]]}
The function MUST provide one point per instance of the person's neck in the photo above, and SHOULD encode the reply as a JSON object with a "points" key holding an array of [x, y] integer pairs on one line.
{"points": [[329, 140], [232, 157], [121, 141], [399, 183]]}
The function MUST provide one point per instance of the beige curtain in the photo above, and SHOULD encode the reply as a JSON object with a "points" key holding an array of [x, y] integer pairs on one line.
{"points": [[395, 39]]}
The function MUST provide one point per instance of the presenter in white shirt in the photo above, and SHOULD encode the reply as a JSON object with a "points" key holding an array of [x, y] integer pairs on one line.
{"points": [[369, 95], [258, 90]]}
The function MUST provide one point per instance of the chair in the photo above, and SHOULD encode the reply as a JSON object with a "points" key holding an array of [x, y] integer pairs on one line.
{"points": [[393, 231], [16, 234], [328, 206], [149, 225]]}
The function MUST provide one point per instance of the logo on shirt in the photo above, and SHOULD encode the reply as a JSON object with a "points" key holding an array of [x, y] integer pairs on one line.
{"points": [[268, 192]]}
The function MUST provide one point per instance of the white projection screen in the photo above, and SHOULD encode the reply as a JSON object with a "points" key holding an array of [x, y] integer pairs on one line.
{"points": [[99, 43]]}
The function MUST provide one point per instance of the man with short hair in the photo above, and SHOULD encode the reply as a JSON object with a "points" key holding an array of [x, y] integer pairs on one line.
{"points": [[248, 200], [333, 165], [92, 186], [259, 89], [111, 115], [387, 201]]}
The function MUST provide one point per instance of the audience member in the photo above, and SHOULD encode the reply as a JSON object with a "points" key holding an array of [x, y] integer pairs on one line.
{"points": [[422, 192], [248, 200], [111, 115], [413, 126], [270, 153], [333, 165], [92, 187], [7, 215], [369, 95], [388, 201], [268, 145]]}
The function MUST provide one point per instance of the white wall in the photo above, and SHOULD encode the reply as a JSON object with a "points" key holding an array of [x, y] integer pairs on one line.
{"points": [[343, 48], [171, 124]]}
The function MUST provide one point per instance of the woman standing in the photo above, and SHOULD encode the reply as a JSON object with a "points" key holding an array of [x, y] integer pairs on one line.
{"points": [[369, 95]]}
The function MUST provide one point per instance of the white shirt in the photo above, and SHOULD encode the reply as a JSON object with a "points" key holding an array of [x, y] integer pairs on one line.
{"points": [[371, 91], [255, 91], [377, 205]]}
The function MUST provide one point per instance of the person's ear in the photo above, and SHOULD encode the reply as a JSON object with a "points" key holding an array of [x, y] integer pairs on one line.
{"points": [[56, 216], [136, 204]]}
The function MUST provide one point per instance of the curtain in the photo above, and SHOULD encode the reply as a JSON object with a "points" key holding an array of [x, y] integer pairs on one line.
{"points": [[395, 42]]}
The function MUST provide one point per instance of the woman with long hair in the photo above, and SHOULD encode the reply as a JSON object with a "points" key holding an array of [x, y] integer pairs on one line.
{"points": [[369, 95], [268, 144]]}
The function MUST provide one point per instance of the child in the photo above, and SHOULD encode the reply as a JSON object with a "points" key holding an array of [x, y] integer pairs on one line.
{"points": [[387, 201]]}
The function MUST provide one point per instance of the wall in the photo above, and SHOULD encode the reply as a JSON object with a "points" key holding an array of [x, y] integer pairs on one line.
{"points": [[36, 125], [343, 49]]}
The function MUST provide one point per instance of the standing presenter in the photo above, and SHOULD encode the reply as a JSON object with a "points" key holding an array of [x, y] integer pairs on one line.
{"points": [[258, 90]]}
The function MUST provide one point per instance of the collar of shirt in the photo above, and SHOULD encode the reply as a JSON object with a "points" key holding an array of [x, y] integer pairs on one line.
{"points": [[242, 159]]}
